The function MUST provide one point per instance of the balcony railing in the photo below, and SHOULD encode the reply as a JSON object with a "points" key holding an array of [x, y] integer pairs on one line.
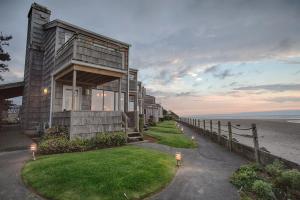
{"points": [[87, 50], [133, 85]]}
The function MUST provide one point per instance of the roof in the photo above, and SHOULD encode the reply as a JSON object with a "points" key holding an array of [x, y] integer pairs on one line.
{"points": [[133, 70], [11, 90], [66, 25], [39, 7]]}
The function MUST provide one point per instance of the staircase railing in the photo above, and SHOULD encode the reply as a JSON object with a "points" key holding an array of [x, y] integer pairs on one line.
{"points": [[125, 122]]}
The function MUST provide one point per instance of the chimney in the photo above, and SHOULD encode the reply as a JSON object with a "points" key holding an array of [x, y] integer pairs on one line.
{"points": [[37, 16]]}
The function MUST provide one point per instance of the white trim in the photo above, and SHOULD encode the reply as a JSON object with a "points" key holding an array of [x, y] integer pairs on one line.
{"points": [[98, 66], [79, 95]]}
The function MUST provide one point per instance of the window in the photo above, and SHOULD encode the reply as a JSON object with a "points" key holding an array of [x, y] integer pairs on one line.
{"points": [[68, 36], [67, 98], [131, 77], [131, 103], [97, 100], [109, 101]]}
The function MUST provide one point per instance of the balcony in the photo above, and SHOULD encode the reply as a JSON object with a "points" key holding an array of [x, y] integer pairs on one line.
{"points": [[87, 50], [132, 85]]}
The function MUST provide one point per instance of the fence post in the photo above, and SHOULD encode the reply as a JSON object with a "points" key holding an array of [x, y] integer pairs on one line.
{"points": [[204, 125], [230, 136], [211, 128], [255, 141], [219, 131]]}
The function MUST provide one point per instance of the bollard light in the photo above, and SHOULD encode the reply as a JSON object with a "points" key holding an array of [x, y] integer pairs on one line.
{"points": [[33, 148], [181, 129], [193, 138], [178, 158]]}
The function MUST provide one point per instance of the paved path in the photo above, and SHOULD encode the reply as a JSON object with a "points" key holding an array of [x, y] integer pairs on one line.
{"points": [[11, 186], [205, 172], [11, 138]]}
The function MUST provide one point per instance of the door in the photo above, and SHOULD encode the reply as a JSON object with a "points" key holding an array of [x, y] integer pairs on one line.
{"points": [[67, 98]]}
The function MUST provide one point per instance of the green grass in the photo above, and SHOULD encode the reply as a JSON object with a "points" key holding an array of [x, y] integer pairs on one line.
{"points": [[167, 133], [103, 174]]}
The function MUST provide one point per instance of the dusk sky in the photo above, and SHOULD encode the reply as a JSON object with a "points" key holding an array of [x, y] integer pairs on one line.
{"points": [[196, 57]]}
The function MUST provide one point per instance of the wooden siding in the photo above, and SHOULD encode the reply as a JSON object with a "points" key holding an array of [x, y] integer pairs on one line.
{"points": [[33, 73], [84, 49], [85, 124]]}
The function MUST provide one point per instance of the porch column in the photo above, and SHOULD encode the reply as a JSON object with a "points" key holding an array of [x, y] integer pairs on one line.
{"points": [[119, 95], [74, 90]]}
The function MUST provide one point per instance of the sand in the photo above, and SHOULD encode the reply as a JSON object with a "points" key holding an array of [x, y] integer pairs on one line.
{"points": [[280, 137]]}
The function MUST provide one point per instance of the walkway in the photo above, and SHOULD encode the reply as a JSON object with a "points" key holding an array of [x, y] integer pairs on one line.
{"points": [[11, 186], [11, 138], [205, 172]]}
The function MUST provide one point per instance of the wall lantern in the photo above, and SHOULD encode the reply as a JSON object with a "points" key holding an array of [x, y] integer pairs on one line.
{"points": [[33, 148], [178, 158], [45, 90]]}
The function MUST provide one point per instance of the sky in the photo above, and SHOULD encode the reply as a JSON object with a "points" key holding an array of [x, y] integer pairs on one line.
{"points": [[196, 56]]}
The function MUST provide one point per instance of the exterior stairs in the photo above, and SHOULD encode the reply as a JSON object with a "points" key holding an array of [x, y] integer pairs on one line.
{"points": [[133, 136]]}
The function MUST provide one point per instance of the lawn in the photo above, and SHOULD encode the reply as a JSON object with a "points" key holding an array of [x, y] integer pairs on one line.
{"points": [[103, 174], [167, 133]]}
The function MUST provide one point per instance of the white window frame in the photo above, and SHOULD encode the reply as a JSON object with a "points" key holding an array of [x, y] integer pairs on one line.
{"points": [[65, 87]]}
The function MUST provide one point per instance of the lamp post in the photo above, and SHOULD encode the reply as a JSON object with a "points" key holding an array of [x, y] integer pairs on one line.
{"points": [[178, 158], [33, 148]]}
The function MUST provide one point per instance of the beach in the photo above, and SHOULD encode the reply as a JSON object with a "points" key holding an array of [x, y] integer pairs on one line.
{"points": [[279, 136]]}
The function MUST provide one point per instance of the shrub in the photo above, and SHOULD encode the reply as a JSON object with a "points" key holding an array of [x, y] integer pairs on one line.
{"points": [[263, 190], [61, 144], [289, 179], [275, 169], [56, 131], [245, 176]]}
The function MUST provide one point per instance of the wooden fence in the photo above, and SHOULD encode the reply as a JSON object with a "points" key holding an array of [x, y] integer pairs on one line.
{"points": [[226, 129]]}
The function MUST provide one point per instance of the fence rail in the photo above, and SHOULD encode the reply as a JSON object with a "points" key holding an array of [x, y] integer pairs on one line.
{"points": [[207, 126]]}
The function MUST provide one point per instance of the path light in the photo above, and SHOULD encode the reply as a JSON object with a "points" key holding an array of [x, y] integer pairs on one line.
{"points": [[193, 138], [33, 149], [181, 129], [178, 158]]}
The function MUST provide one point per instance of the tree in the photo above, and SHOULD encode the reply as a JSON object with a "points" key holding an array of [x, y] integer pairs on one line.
{"points": [[4, 56]]}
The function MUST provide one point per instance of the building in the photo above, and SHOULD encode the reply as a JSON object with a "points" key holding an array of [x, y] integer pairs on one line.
{"points": [[152, 110], [79, 79], [75, 78]]}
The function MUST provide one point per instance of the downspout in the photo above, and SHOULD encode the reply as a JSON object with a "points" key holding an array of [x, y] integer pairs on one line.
{"points": [[51, 97]]}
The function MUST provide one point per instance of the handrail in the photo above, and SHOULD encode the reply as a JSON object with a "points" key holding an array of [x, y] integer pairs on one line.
{"points": [[60, 49], [125, 121]]}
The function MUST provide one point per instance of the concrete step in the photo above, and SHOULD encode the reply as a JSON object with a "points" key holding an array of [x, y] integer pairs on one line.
{"points": [[134, 136]]}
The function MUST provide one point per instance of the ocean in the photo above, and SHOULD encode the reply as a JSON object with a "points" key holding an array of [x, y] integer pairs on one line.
{"points": [[278, 133]]}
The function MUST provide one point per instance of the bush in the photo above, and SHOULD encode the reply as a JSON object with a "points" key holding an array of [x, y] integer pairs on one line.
{"points": [[275, 169], [61, 144], [263, 190], [245, 176], [56, 131], [290, 179]]}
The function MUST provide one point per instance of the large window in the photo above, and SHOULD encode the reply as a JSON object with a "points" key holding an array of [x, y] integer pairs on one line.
{"points": [[97, 100], [131, 103], [106, 100], [109, 101]]}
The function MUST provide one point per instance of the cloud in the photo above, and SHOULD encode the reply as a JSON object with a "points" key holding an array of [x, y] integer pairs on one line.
{"points": [[272, 87], [211, 69], [225, 74], [284, 99]]}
